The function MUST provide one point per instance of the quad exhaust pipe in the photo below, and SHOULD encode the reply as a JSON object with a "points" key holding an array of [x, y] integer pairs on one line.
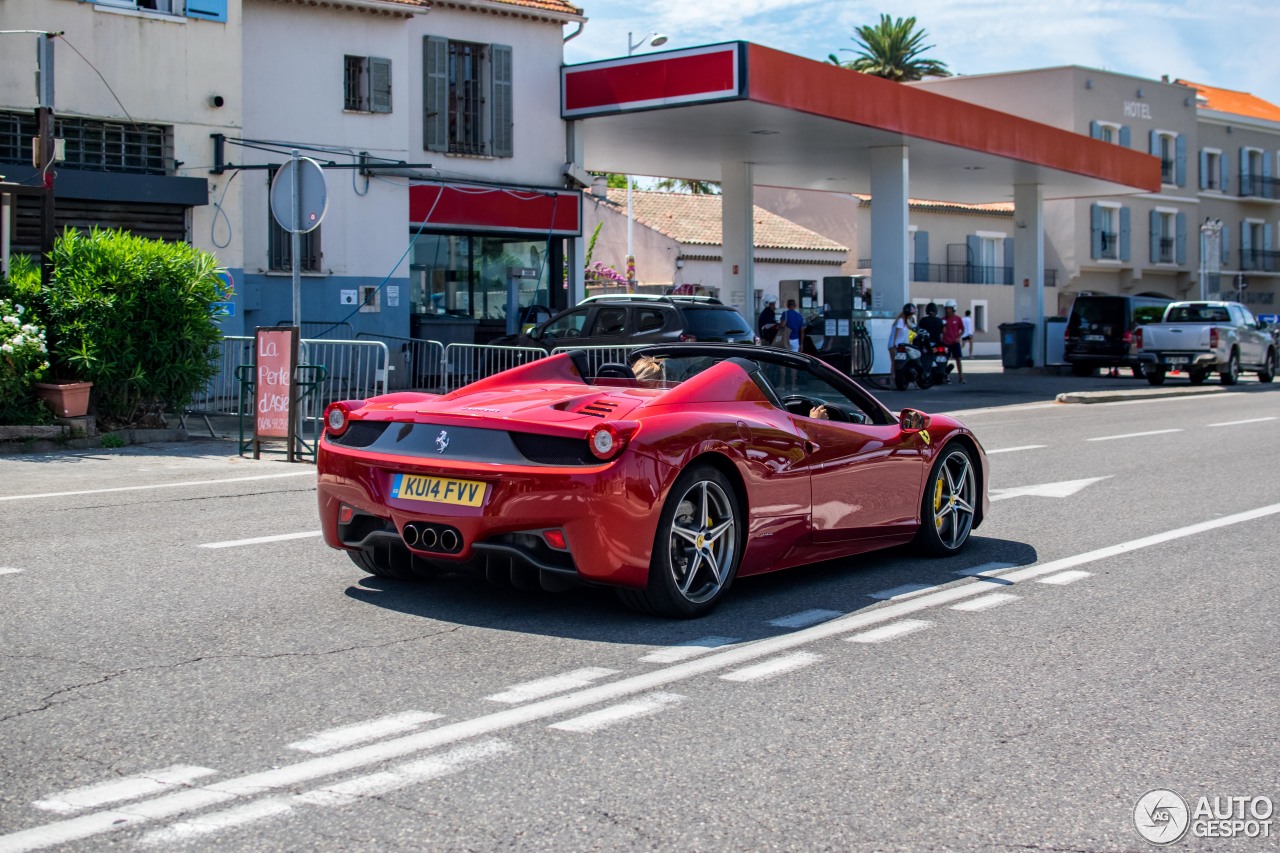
{"points": [[432, 537]]}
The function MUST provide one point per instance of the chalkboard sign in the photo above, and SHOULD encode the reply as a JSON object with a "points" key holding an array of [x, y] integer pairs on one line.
{"points": [[275, 353]]}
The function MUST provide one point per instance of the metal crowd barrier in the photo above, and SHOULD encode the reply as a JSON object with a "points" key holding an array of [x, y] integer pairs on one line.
{"points": [[597, 356], [415, 364], [465, 363]]}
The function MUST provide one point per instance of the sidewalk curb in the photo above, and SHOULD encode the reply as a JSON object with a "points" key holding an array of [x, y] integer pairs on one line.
{"points": [[1140, 394]]}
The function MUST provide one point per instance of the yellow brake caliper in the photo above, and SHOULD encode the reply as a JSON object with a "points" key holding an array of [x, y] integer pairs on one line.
{"points": [[937, 503]]}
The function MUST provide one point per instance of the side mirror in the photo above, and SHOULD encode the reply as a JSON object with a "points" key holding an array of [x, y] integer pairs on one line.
{"points": [[913, 420]]}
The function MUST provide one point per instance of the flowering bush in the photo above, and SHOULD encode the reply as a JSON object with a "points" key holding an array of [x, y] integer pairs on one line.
{"points": [[600, 272], [23, 360]]}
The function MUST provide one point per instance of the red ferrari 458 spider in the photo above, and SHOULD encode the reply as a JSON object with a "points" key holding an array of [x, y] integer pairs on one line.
{"points": [[717, 461]]}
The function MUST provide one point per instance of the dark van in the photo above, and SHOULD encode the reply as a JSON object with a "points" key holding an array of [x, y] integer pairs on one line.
{"points": [[1100, 330]]}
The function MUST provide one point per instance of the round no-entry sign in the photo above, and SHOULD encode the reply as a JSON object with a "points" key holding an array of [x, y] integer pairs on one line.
{"points": [[313, 198]]}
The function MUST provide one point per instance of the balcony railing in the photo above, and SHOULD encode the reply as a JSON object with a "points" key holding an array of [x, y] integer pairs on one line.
{"points": [[1165, 251], [1258, 260], [1166, 171], [1110, 246], [963, 273], [1260, 186]]}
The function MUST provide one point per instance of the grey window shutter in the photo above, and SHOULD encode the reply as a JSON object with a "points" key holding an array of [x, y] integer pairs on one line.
{"points": [[1155, 236], [1095, 130], [1246, 185], [379, 85], [503, 143], [1008, 260], [1266, 237], [435, 93], [921, 271], [1124, 135], [1245, 242], [1224, 167], [1266, 166], [1204, 169], [1153, 143], [1095, 231], [973, 247], [1225, 245], [1180, 160], [1124, 234], [1180, 245]]}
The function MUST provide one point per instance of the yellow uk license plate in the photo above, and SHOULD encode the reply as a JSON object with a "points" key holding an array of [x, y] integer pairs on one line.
{"points": [[444, 490]]}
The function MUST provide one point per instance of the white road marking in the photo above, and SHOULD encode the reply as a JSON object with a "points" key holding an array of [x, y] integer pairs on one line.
{"points": [[258, 540], [986, 602], [805, 618], [686, 650], [1016, 449], [1249, 421], [548, 686], [1134, 434], [253, 784], [641, 707], [983, 570], [344, 736], [338, 794], [773, 667], [1063, 578], [119, 790], [890, 631], [7, 570], [907, 590], [310, 473], [1064, 489]]}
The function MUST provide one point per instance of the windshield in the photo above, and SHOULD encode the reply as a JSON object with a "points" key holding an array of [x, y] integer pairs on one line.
{"points": [[1198, 314]]}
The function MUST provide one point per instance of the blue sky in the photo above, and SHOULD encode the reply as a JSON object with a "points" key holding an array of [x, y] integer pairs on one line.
{"points": [[1230, 44]]}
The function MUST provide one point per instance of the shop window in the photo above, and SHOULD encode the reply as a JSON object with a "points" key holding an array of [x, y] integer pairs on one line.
{"points": [[469, 275]]}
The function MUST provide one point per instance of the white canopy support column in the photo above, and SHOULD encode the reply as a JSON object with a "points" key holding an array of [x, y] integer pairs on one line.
{"points": [[890, 287], [1028, 263], [738, 238], [575, 248]]}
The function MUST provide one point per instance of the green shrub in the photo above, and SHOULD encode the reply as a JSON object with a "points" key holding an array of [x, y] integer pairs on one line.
{"points": [[23, 360], [134, 317]]}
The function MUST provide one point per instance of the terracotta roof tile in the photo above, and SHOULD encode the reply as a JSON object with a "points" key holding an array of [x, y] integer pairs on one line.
{"points": [[558, 7], [1236, 103], [696, 220], [995, 208]]}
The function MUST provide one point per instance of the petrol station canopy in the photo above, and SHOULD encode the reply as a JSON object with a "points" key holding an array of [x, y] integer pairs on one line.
{"points": [[811, 125]]}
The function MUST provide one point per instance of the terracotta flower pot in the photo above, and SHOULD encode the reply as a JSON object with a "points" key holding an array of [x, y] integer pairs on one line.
{"points": [[66, 399]]}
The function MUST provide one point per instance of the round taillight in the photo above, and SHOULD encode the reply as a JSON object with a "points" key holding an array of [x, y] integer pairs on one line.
{"points": [[336, 420], [604, 441]]}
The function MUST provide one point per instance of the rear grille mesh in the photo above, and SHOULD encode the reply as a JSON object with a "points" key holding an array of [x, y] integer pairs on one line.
{"points": [[361, 433], [553, 450], [598, 409]]}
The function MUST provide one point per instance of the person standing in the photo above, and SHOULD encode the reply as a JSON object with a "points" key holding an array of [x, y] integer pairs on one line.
{"points": [[767, 323], [794, 322], [932, 323], [900, 333], [968, 331], [952, 332]]}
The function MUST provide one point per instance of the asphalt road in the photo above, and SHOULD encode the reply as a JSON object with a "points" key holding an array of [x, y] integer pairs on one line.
{"points": [[163, 694]]}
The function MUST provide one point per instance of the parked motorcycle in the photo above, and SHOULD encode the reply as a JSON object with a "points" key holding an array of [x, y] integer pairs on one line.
{"points": [[940, 360], [914, 362]]}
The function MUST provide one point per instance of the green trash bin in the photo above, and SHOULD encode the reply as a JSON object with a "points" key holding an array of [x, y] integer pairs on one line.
{"points": [[1015, 344]]}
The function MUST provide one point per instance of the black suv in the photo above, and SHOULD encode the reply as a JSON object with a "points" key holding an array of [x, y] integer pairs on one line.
{"points": [[1100, 330], [627, 320]]}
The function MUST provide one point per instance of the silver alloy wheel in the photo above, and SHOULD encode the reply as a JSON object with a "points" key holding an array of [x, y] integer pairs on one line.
{"points": [[703, 541], [954, 488]]}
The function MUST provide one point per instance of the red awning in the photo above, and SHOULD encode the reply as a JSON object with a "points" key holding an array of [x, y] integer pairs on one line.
{"points": [[469, 207]]}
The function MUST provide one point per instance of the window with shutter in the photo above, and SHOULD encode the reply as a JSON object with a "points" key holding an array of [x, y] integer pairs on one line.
{"points": [[379, 85], [502, 120], [435, 94], [366, 84], [468, 100]]}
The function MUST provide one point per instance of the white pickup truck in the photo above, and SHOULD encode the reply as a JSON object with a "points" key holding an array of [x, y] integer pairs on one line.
{"points": [[1199, 338]]}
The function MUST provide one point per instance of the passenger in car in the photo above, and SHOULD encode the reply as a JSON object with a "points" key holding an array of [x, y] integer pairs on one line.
{"points": [[648, 371]]}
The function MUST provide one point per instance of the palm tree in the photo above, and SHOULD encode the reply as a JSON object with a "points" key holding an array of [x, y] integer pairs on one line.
{"points": [[891, 49], [684, 185]]}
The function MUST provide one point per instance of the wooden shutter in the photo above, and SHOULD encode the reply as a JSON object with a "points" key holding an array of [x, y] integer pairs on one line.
{"points": [[1180, 241], [209, 10], [1246, 185], [1008, 260], [1124, 135], [973, 245], [1226, 172], [922, 256], [1180, 160], [379, 85], [1095, 231], [1095, 130], [435, 93], [1204, 169], [1155, 236], [502, 118], [1124, 234]]}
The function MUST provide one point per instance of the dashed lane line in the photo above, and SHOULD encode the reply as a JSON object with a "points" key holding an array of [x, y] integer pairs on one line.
{"points": [[257, 783], [596, 720], [773, 667], [986, 602], [259, 540], [9, 570], [891, 631], [344, 736], [907, 590], [1134, 434], [133, 787], [530, 690], [156, 486], [1016, 449], [1064, 578], [805, 618], [1238, 423], [689, 649]]}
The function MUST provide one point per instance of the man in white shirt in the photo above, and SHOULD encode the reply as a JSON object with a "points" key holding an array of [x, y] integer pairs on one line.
{"points": [[968, 331]]}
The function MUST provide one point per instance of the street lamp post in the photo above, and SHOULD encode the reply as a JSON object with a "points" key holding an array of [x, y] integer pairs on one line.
{"points": [[1210, 253], [655, 39]]}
